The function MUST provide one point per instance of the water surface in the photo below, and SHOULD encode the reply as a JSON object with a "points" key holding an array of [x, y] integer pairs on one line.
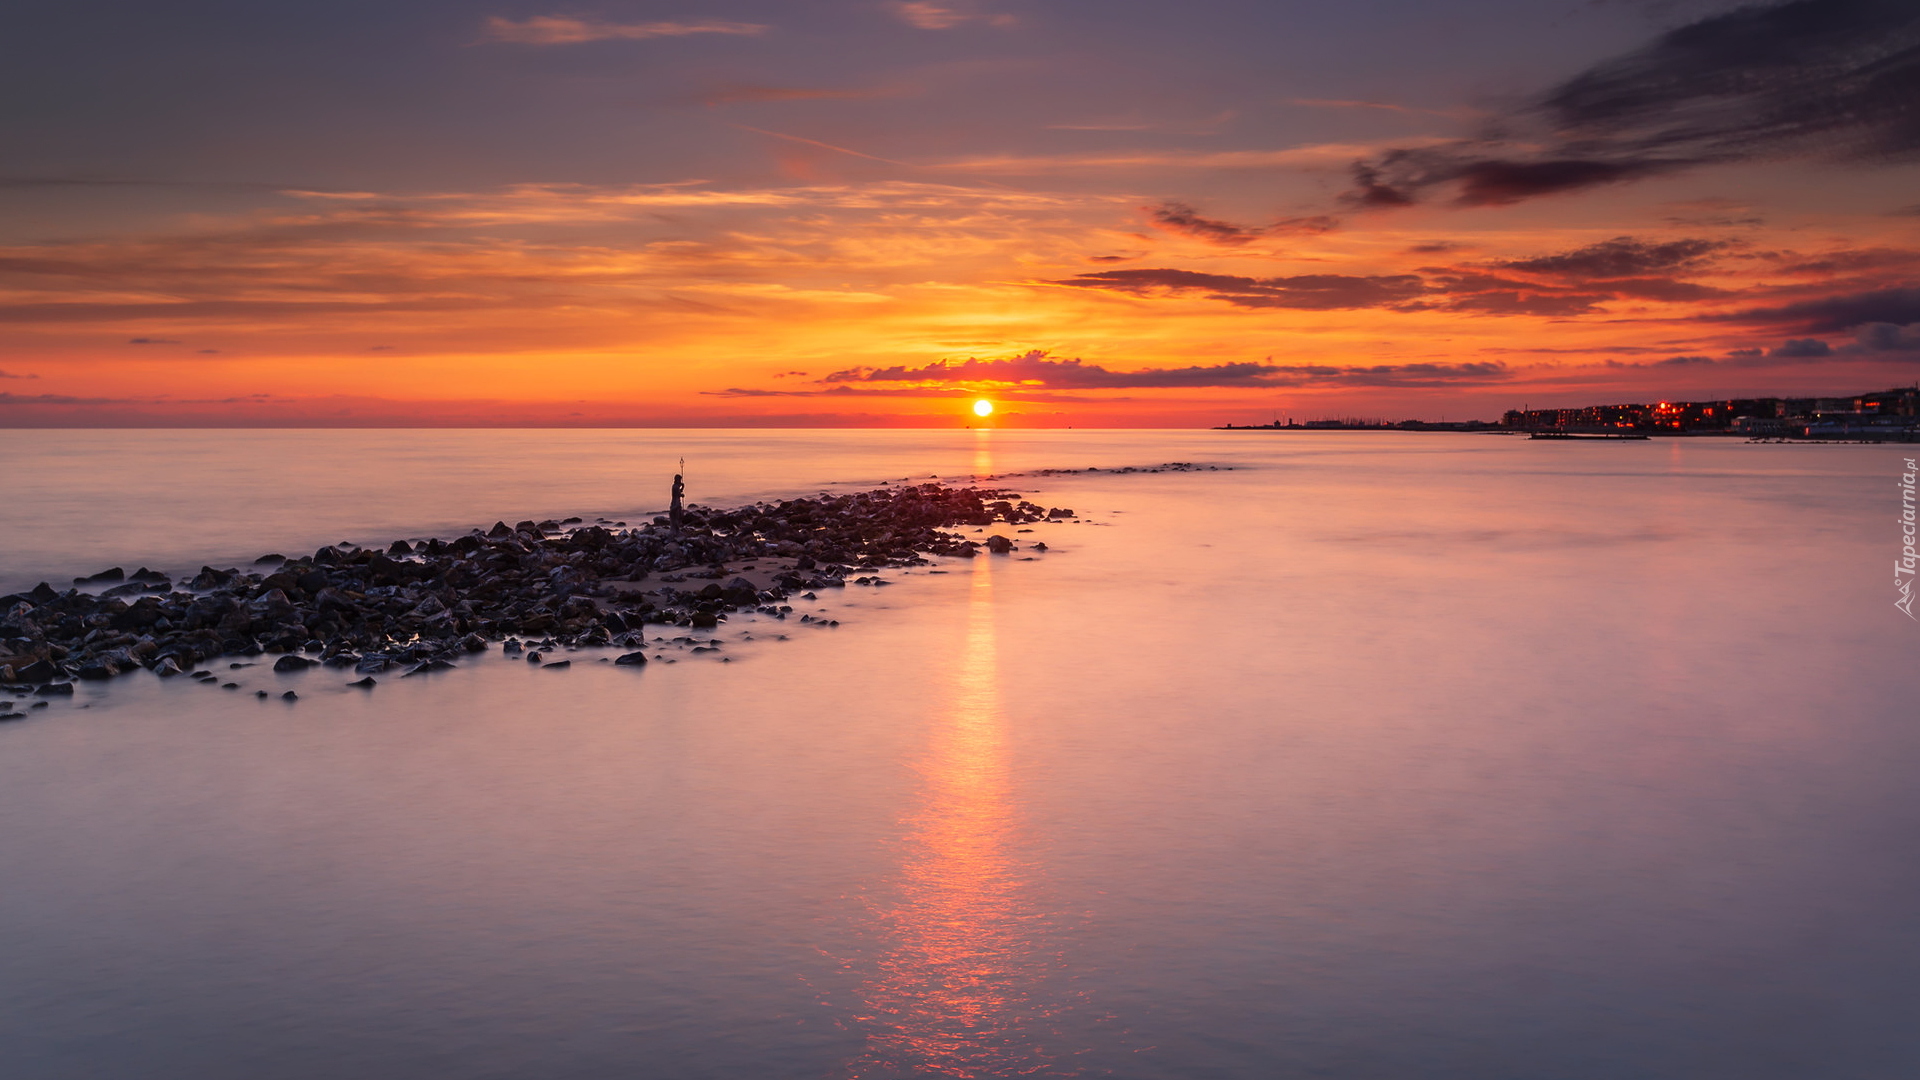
{"points": [[1377, 755]]}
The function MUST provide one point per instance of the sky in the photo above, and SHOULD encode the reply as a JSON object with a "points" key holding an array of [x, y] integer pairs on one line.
{"points": [[874, 212]]}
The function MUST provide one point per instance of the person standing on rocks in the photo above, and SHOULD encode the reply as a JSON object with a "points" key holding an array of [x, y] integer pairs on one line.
{"points": [[674, 512]]}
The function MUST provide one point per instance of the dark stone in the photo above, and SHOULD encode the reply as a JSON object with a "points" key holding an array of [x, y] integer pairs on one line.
{"points": [[166, 667], [42, 594], [400, 547], [1041, 546], [58, 689], [313, 581], [292, 662], [998, 544], [365, 684], [289, 696], [269, 560], [259, 693], [39, 671], [556, 664], [632, 659], [101, 578], [428, 667]]}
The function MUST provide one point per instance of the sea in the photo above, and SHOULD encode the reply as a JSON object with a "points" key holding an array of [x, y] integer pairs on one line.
{"points": [[1336, 755]]}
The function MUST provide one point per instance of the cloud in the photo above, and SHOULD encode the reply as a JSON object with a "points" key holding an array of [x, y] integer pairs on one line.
{"points": [[1836, 314], [560, 30], [1802, 348], [1037, 370], [1620, 257], [1309, 292], [56, 399], [153, 341], [1178, 217], [12, 375], [1826, 78], [1883, 337], [931, 16], [1184, 220]]}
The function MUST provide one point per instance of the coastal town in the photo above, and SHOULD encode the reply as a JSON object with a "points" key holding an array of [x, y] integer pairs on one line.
{"points": [[1881, 416]]}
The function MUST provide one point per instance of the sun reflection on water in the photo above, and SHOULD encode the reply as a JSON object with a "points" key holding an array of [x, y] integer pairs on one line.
{"points": [[953, 993]]}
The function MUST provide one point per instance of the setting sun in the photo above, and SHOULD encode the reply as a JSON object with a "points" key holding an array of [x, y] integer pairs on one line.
{"points": [[983, 407]]}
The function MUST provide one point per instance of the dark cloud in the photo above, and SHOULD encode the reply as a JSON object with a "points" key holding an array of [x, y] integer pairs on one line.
{"points": [[1309, 292], [56, 399], [1802, 348], [1620, 257], [1036, 369], [1180, 218], [1886, 337], [1683, 361], [1177, 217], [11, 375], [1837, 314], [153, 341], [1831, 78]]}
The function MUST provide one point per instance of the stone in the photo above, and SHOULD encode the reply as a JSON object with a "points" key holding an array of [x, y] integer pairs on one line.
{"points": [[998, 544], [39, 671], [289, 696], [562, 664], [58, 689], [292, 662], [632, 659], [101, 578], [367, 683]]}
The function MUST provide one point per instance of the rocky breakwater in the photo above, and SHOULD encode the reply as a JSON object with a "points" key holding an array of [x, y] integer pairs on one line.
{"points": [[425, 605]]}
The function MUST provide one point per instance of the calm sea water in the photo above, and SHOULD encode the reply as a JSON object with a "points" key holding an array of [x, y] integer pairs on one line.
{"points": [[1375, 756]]}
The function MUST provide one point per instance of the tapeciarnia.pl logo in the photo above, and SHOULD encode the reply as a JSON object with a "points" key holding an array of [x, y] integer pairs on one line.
{"points": [[1903, 567]]}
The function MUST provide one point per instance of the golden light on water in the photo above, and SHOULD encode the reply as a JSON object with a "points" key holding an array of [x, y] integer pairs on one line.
{"points": [[983, 407], [952, 995]]}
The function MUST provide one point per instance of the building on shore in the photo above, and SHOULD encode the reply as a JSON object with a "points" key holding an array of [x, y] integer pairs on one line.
{"points": [[1887, 415]]}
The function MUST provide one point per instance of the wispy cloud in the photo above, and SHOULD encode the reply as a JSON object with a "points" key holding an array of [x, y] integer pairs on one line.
{"points": [[1182, 219], [15, 375], [1306, 292], [1303, 156], [1036, 369], [562, 30], [930, 16]]}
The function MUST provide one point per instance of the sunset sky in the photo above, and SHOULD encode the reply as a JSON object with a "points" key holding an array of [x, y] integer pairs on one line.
{"points": [[864, 212]]}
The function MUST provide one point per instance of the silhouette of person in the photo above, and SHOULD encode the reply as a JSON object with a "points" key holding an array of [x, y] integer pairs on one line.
{"points": [[674, 512]]}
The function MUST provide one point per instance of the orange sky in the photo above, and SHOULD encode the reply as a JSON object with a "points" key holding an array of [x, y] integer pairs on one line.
{"points": [[793, 256]]}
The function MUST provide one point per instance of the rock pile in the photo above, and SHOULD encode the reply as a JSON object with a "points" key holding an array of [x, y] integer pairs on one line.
{"points": [[424, 605]]}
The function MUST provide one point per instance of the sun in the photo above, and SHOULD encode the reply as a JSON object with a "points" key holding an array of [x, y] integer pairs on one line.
{"points": [[983, 407]]}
